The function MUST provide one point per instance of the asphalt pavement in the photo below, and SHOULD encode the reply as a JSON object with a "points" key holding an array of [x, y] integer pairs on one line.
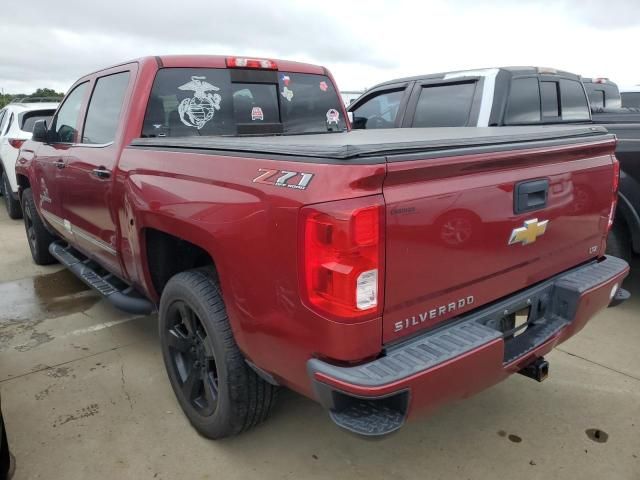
{"points": [[85, 396]]}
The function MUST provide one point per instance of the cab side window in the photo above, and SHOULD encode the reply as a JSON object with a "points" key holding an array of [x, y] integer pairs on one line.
{"points": [[524, 102], [379, 111], [104, 109], [66, 123]]}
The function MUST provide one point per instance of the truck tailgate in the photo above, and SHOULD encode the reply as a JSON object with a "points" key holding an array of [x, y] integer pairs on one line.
{"points": [[456, 237]]}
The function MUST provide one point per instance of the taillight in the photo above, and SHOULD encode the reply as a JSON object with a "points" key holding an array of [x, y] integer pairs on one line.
{"points": [[614, 189], [16, 142], [342, 258], [241, 62]]}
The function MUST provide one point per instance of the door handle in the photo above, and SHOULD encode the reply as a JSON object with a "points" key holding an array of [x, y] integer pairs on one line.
{"points": [[60, 163], [101, 173], [530, 195]]}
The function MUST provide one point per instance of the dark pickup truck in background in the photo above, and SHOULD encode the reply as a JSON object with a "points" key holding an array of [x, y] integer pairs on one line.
{"points": [[630, 97], [516, 96], [282, 249]]}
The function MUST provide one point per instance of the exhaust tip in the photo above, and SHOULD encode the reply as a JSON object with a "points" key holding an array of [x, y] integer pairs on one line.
{"points": [[538, 370]]}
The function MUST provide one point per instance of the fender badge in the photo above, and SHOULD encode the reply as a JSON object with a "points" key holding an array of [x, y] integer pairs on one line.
{"points": [[529, 233]]}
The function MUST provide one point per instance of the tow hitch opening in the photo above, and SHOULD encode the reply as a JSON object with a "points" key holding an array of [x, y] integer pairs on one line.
{"points": [[538, 370]]}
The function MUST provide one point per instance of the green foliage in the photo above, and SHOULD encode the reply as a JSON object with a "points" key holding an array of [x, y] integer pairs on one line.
{"points": [[40, 92]]}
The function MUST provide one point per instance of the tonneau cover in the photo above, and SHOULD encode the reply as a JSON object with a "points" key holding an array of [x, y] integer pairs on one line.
{"points": [[363, 143]]}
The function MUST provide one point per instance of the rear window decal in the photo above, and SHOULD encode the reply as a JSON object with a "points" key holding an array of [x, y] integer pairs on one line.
{"points": [[333, 116], [323, 86], [285, 79], [288, 94], [257, 114], [196, 111]]}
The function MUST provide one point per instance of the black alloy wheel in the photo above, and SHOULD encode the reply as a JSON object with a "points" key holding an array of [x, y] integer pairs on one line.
{"points": [[192, 358]]}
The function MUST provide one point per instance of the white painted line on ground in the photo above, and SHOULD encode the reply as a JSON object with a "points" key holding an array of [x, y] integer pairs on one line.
{"points": [[99, 326]]}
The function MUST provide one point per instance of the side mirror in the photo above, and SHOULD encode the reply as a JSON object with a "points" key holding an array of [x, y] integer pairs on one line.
{"points": [[40, 131]]}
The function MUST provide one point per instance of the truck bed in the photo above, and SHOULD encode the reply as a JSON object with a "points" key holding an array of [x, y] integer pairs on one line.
{"points": [[364, 144]]}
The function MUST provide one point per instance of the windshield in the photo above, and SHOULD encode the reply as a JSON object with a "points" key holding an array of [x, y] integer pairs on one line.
{"points": [[209, 102]]}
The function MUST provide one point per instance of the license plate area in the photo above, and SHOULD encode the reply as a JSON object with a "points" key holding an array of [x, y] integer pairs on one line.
{"points": [[525, 321]]}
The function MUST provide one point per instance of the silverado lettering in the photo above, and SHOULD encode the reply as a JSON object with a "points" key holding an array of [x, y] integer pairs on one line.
{"points": [[258, 288], [434, 313]]}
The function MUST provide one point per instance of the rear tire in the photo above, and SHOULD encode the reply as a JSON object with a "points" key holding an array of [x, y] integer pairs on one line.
{"points": [[12, 205], [38, 236], [619, 242], [218, 392]]}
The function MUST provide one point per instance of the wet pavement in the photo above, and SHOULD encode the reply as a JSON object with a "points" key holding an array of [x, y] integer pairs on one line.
{"points": [[85, 396]]}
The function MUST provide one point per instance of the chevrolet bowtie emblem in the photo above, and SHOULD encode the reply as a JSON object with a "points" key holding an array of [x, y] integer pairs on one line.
{"points": [[529, 233]]}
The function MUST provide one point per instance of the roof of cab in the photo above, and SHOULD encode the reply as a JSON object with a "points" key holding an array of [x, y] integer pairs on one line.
{"points": [[214, 61]]}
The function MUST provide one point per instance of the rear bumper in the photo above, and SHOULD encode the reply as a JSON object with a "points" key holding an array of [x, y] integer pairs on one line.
{"points": [[466, 355]]}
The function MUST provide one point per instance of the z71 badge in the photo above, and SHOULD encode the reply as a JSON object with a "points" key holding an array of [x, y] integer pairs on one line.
{"points": [[284, 178]]}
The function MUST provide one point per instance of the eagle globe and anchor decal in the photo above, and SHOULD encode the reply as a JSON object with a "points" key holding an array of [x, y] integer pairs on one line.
{"points": [[199, 109]]}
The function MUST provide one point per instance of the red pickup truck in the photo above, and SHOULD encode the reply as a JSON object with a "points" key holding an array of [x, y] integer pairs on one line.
{"points": [[381, 273]]}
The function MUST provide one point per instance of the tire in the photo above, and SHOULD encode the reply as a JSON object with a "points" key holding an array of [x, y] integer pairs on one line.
{"points": [[220, 395], [619, 242], [12, 205], [38, 236]]}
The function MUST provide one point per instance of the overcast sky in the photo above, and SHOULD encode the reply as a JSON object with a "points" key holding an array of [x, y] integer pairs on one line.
{"points": [[362, 42]]}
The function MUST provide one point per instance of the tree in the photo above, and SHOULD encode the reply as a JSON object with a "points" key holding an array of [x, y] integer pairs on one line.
{"points": [[47, 92], [39, 93]]}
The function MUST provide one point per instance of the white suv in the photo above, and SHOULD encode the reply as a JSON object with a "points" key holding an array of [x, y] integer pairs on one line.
{"points": [[16, 126]]}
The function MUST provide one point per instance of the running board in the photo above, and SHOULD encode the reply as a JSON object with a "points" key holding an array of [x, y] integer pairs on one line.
{"points": [[121, 295]]}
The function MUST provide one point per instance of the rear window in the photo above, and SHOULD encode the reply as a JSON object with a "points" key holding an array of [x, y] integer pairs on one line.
{"points": [[444, 105], [209, 102], [28, 119]]}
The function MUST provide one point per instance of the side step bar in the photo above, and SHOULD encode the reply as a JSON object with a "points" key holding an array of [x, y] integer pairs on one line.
{"points": [[121, 295]]}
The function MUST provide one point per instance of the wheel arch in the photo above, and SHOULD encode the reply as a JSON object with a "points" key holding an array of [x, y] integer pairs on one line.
{"points": [[168, 251], [23, 183]]}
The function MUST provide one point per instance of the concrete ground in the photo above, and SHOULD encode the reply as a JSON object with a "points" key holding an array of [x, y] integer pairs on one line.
{"points": [[85, 396]]}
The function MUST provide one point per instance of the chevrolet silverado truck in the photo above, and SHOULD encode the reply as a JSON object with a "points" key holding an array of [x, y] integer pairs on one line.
{"points": [[518, 96], [282, 249]]}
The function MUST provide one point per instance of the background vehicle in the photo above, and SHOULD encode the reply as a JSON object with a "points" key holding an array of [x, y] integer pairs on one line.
{"points": [[630, 97], [281, 249], [16, 124], [349, 96], [602, 93], [516, 96]]}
